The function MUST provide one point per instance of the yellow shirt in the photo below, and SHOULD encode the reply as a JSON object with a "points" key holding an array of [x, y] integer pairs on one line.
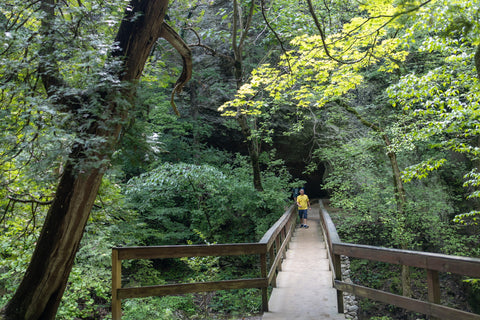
{"points": [[303, 201]]}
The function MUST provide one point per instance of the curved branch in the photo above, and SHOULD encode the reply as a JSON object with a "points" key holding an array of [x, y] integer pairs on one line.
{"points": [[169, 34], [322, 33], [210, 50], [31, 200], [43, 203], [275, 34], [247, 25], [324, 41], [352, 110]]}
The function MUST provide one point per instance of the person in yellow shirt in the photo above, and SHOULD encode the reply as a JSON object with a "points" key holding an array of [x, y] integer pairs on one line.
{"points": [[303, 204]]}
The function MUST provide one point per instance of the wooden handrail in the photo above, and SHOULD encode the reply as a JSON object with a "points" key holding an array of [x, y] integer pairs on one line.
{"points": [[272, 233], [180, 251], [431, 262], [274, 244]]}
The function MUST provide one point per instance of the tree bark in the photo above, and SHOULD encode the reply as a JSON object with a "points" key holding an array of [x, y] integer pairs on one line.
{"points": [[253, 143], [401, 200], [400, 195], [44, 282], [253, 151]]}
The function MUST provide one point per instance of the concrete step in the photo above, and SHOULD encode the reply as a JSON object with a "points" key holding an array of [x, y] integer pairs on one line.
{"points": [[304, 286]]}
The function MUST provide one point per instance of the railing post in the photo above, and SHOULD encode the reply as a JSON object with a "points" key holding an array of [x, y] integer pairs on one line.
{"points": [[116, 284], [337, 266], [271, 255], [291, 229], [278, 245], [433, 283], [263, 271]]}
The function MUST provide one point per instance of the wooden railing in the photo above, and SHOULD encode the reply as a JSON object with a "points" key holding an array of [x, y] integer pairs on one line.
{"points": [[271, 250], [433, 263]]}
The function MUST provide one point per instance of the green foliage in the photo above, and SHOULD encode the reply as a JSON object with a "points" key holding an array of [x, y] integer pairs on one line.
{"points": [[237, 302], [173, 200], [156, 308], [443, 101], [474, 288], [204, 268], [88, 291], [37, 126], [382, 276], [37, 132], [430, 49], [15, 256], [87, 298], [320, 69], [421, 170], [357, 184], [186, 203]]}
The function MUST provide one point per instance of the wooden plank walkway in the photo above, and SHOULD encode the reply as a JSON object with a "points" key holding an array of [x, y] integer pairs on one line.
{"points": [[304, 286]]}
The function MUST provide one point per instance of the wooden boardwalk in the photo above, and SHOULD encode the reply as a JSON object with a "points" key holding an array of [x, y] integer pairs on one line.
{"points": [[304, 286]]}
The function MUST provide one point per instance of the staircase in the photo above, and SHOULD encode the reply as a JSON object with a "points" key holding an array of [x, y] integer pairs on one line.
{"points": [[304, 286]]}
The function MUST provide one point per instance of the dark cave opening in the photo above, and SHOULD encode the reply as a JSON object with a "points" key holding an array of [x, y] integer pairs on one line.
{"points": [[313, 181]]}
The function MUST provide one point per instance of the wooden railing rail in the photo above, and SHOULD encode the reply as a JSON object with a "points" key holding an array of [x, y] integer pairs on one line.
{"points": [[433, 263], [331, 237], [274, 244], [276, 239]]}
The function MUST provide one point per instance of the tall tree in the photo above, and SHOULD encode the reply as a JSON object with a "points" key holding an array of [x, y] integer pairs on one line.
{"points": [[100, 115], [323, 67], [443, 100], [400, 194], [240, 29], [241, 25]]}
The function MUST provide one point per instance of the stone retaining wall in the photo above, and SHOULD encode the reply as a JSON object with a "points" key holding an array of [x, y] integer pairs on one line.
{"points": [[349, 300]]}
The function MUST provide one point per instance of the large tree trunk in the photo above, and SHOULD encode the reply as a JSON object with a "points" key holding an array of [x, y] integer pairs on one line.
{"points": [[42, 287]]}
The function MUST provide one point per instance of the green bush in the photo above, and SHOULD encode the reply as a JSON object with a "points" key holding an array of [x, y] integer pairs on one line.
{"points": [[237, 302], [173, 200], [159, 308]]}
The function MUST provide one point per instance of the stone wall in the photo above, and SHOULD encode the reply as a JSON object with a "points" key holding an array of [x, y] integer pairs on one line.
{"points": [[349, 300]]}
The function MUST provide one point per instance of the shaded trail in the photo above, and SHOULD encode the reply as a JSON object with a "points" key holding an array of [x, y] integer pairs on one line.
{"points": [[304, 286]]}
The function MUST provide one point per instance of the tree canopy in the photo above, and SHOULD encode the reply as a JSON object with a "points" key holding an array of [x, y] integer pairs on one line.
{"points": [[98, 146]]}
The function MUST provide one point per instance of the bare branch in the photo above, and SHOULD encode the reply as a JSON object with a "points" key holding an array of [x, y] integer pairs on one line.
{"points": [[322, 36], [209, 50], [247, 25], [31, 200], [235, 28], [275, 34], [169, 34]]}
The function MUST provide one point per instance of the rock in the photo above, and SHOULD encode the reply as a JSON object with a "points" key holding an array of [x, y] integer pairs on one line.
{"points": [[350, 302]]}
